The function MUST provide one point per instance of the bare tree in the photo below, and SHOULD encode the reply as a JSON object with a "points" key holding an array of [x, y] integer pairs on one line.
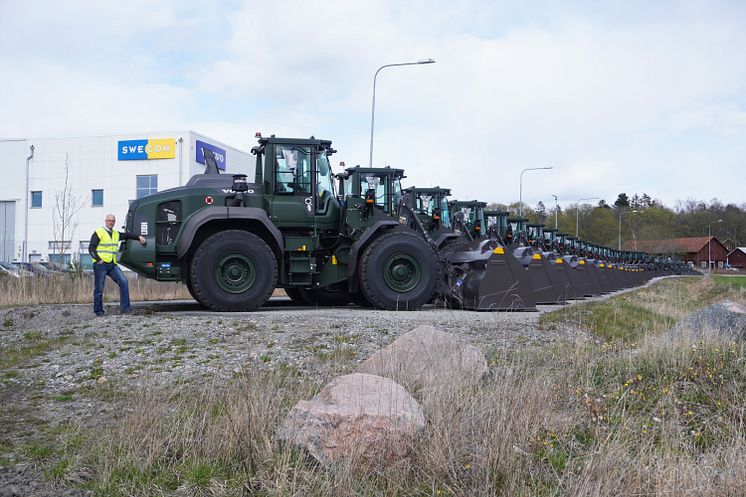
{"points": [[65, 215]]}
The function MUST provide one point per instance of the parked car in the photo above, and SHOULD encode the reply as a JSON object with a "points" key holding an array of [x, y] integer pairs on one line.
{"points": [[34, 267], [55, 267], [7, 268]]}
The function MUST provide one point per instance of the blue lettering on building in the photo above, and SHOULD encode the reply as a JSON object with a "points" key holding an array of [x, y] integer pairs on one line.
{"points": [[133, 150], [219, 154]]}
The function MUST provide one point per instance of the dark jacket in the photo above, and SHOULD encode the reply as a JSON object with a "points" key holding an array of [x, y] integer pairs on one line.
{"points": [[123, 235]]}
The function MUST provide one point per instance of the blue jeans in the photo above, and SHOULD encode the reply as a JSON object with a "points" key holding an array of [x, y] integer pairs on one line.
{"points": [[100, 271]]}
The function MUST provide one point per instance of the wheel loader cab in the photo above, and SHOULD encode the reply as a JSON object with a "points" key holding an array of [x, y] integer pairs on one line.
{"points": [[301, 184], [430, 205], [379, 187]]}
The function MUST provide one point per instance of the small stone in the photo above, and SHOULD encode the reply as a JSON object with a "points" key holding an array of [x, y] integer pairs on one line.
{"points": [[101, 380]]}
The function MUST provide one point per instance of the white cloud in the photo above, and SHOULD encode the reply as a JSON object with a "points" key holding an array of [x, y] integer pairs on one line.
{"points": [[635, 99]]}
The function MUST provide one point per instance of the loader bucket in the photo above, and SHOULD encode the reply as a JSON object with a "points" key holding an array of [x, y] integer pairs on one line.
{"points": [[547, 285], [578, 278], [568, 288], [588, 285], [486, 277], [599, 273]]}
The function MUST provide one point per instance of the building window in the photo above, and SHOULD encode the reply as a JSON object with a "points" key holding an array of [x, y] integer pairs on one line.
{"points": [[97, 198], [35, 200], [147, 185]]}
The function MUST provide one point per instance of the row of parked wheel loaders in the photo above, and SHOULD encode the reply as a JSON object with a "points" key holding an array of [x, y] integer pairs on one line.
{"points": [[357, 236]]}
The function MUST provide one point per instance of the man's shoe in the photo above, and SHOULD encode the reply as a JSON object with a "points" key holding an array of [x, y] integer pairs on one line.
{"points": [[99, 314], [128, 310]]}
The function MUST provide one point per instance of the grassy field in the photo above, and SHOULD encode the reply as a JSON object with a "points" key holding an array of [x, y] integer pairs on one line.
{"points": [[69, 288], [622, 414]]}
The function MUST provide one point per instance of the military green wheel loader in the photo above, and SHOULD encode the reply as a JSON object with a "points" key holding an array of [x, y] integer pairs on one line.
{"points": [[233, 242]]}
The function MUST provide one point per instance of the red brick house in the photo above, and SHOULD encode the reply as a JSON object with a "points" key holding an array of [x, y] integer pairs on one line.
{"points": [[697, 250], [737, 258]]}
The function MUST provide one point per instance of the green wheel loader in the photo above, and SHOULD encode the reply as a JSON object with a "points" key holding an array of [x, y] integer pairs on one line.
{"points": [[233, 242]]}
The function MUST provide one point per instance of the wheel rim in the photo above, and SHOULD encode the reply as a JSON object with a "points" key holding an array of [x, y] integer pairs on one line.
{"points": [[235, 273], [401, 273]]}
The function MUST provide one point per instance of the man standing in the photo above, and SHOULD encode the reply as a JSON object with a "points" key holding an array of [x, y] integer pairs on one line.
{"points": [[103, 249]]}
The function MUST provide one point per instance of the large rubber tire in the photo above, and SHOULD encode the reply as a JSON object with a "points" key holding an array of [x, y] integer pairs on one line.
{"points": [[191, 289], [330, 296], [233, 271], [296, 296], [398, 271]]}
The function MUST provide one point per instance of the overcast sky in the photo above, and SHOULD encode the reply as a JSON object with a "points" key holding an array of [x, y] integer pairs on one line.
{"points": [[617, 96]]}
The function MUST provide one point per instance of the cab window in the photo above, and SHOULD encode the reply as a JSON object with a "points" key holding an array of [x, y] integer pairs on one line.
{"points": [[292, 169]]}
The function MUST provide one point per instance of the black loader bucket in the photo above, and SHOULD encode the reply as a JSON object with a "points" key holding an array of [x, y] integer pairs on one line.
{"points": [[484, 277], [545, 281]]}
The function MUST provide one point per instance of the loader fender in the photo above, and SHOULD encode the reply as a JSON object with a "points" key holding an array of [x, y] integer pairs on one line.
{"points": [[214, 213], [360, 244]]}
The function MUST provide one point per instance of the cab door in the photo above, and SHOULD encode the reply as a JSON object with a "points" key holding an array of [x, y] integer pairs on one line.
{"points": [[292, 201]]}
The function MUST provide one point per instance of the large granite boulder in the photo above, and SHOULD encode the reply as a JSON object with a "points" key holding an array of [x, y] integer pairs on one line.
{"points": [[428, 360], [726, 319], [359, 419]]}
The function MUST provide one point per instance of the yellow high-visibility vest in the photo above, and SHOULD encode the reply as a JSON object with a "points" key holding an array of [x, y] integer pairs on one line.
{"points": [[107, 245]]}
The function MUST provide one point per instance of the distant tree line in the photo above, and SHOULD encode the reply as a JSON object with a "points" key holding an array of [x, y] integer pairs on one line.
{"points": [[652, 220]]}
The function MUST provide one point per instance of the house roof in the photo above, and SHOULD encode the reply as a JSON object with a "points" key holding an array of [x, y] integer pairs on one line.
{"points": [[670, 246], [737, 249]]}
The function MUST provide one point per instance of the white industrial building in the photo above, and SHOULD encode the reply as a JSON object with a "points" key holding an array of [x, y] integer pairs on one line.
{"points": [[104, 174]]}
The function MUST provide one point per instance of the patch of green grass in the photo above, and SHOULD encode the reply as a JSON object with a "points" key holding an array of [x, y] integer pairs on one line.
{"points": [[59, 469], [14, 357], [97, 370], [33, 336], [697, 387], [618, 319], [199, 474], [632, 315], [737, 281], [38, 450], [8, 322], [64, 397], [351, 338]]}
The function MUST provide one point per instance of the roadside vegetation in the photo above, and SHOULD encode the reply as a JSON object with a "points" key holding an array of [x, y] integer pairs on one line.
{"points": [[622, 413], [78, 288]]}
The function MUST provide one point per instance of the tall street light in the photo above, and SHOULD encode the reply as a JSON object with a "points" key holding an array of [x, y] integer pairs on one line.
{"points": [[621, 213], [709, 241], [373, 105], [520, 185], [577, 212]]}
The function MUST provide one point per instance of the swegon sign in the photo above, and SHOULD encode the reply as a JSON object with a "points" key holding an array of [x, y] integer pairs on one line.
{"points": [[151, 148]]}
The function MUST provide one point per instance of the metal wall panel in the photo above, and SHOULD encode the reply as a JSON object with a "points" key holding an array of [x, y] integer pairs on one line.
{"points": [[7, 230]]}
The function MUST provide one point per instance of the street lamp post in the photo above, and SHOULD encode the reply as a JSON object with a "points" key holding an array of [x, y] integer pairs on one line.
{"points": [[577, 213], [709, 241], [520, 185], [373, 104], [556, 210], [621, 213]]}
